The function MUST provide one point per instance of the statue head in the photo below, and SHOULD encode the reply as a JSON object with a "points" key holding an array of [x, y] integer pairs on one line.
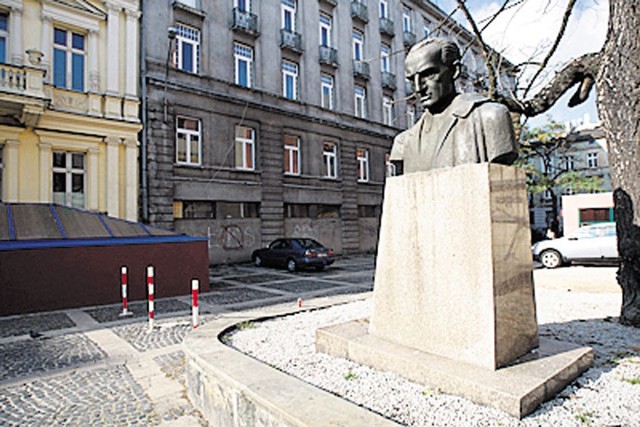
{"points": [[433, 65]]}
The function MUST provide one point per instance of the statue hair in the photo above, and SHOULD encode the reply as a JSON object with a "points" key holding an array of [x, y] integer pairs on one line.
{"points": [[449, 51]]}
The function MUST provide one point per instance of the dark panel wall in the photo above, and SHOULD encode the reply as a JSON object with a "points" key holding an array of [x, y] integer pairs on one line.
{"points": [[49, 279]]}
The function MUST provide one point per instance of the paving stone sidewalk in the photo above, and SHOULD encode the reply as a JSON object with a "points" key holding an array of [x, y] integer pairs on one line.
{"points": [[90, 366]]}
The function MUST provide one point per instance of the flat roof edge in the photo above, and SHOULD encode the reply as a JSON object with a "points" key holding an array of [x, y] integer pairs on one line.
{"points": [[9, 245]]}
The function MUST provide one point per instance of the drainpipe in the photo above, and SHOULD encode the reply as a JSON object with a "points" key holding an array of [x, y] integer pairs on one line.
{"points": [[143, 90]]}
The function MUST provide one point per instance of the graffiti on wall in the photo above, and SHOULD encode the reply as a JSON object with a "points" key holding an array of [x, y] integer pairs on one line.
{"points": [[231, 236]]}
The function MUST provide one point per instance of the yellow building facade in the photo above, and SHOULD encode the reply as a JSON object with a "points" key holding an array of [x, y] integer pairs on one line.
{"points": [[69, 103]]}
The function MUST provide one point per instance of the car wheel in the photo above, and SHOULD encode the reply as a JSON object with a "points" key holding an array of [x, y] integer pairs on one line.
{"points": [[292, 265], [257, 261], [550, 258]]}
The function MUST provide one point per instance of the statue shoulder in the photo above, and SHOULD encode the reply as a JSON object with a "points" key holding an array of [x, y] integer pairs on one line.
{"points": [[403, 139], [494, 111]]}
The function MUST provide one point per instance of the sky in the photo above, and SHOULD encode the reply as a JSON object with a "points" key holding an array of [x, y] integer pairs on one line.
{"points": [[529, 29]]}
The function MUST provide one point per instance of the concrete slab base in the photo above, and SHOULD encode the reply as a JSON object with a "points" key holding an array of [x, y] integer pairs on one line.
{"points": [[517, 389]]}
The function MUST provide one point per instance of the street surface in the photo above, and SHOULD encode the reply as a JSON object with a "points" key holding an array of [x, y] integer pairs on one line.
{"points": [[89, 366]]}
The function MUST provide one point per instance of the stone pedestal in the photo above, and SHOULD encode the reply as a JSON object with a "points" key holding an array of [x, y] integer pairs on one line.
{"points": [[453, 300], [454, 269]]}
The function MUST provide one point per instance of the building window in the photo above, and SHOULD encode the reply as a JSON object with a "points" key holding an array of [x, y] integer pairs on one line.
{"points": [[288, 8], [384, 9], [546, 194], [68, 59], [325, 30], [385, 58], [330, 156], [360, 96], [230, 210], [68, 179], [243, 56], [4, 36], [425, 28], [242, 5], [592, 160], [387, 111], [358, 45], [568, 163], [406, 19], [188, 140], [289, 80], [245, 148], [187, 53], [362, 156], [315, 211], [195, 209], [411, 115], [326, 91], [291, 155], [568, 191], [390, 168], [368, 211]]}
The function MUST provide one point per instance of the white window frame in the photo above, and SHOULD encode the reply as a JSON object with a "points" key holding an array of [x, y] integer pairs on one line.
{"points": [[387, 111], [288, 7], [187, 35], [292, 167], [385, 58], [592, 160], [69, 51], [4, 34], [326, 91], [326, 26], [69, 172], [243, 53], [362, 157], [426, 28], [188, 135], [384, 9], [358, 45], [411, 115], [406, 19], [360, 101], [568, 162], [330, 158], [244, 143], [390, 168], [247, 8], [290, 76]]}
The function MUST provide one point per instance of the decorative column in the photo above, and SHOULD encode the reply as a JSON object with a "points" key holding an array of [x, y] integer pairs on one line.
{"points": [[45, 46], [112, 172], [17, 54], [46, 164], [131, 179], [11, 177], [93, 154], [131, 71], [113, 49], [95, 101]]}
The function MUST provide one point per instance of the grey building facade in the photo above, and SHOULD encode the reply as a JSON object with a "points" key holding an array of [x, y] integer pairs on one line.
{"points": [[271, 118]]}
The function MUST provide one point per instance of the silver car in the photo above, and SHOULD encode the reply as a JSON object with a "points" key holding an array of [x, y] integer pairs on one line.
{"points": [[590, 243]]}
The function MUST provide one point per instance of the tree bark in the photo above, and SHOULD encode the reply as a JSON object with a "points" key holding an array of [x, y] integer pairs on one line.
{"points": [[618, 89]]}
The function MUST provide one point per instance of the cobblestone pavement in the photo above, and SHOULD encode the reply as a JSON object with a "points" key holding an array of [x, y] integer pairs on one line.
{"points": [[93, 367]]}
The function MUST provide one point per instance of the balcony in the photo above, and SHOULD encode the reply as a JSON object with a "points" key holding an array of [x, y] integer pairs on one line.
{"points": [[388, 80], [386, 27], [359, 11], [361, 69], [409, 39], [290, 40], [328, 56], [245, 22], [332, 3], [22, 93]]}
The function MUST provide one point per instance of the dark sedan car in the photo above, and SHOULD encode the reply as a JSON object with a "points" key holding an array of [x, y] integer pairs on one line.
{"points": [[294, 254]]}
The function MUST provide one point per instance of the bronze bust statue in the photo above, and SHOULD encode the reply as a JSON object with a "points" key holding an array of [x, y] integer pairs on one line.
{"points": [[456, 128]]}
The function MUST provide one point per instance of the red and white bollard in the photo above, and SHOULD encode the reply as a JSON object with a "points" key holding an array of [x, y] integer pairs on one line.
{"points": [[195, 286], [150, 286], [299, 302], [123, 284]]}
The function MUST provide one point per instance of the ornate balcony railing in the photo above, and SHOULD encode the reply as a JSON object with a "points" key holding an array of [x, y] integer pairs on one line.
{"points": [[246, 22], [328, 56], [359, 11], [409, 38], [20, 80], [386, 27], [290, 40], [361, 69], [388, 80]]}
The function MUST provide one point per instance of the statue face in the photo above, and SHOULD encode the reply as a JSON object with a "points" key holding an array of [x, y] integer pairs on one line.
{"points": [[434, 81]]}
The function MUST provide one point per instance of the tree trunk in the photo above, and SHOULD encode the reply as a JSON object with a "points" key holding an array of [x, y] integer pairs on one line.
{"points": [[618, 89]]}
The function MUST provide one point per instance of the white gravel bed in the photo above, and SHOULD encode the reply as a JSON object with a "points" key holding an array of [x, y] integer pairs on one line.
{"points": [[608, 394]]}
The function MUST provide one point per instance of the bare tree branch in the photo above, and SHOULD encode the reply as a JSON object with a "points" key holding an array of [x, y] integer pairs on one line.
{"points": [[563, 27]]}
